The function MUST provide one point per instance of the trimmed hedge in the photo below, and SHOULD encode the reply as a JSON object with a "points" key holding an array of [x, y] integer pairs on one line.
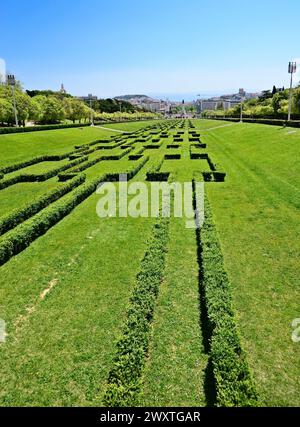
{"points": [[26, 177], [117, 156], [154, 174], [215, 176], [41, 127], [173, 156], [274, 122], [173, 146], [19, 215], [233, 380], [21, 165], [89, 163], [124, 380], [130, 172]]}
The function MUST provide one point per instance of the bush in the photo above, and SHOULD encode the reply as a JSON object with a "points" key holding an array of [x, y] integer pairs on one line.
{"points": [[172, 156], [26, 177], [154, 173], [47, 158], [214, 176], [274, 122], [41, 127]]}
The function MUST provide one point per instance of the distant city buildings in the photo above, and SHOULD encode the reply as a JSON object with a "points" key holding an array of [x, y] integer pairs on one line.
{"points": [[88, 97], [225, 102], [150, 104]]}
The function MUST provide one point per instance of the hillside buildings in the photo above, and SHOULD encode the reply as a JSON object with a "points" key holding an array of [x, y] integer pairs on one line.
{"points": [[224, 102]]}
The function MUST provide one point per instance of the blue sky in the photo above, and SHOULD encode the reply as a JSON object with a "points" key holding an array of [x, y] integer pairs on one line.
{"points": [[165, 47]]}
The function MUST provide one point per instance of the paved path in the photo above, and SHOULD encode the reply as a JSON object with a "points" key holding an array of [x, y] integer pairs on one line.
{"points": [[114, 130]]}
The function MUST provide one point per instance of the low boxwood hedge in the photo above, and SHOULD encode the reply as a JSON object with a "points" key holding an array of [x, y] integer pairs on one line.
{"points": [[41, 127], [233, 380], [172, 156], [216, 176], [27, 177], [154, 171]]}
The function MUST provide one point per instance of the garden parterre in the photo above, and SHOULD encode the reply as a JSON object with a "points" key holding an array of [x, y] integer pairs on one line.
{"points": [[67, 302]]}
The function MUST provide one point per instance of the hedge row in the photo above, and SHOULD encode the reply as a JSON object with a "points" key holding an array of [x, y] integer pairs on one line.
{"points": [[21, 237], [89, 163], [215, 176], [274, 122], [124, 380], [154, 173], [130, 172], [201, 145], [41, 127], [18, 215], [172, 156], [46, 158], [233, 380], [27, 177]]}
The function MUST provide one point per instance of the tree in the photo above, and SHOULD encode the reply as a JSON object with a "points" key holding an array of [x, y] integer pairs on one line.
{"points": [[276, 100], [52, 110], [74, 109], [296, 100], [6, 111], [22, 101]]}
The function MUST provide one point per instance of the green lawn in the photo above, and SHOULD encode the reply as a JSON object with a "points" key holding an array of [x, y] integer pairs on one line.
{"points": [[257, 215], [64, 298], [23, 146]]}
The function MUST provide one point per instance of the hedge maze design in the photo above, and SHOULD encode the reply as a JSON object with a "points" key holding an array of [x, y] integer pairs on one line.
{"points": [[156, 151]]}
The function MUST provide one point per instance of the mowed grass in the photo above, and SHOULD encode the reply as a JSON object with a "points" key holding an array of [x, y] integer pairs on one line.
{"points": [[23, 146], [63, 300], [21, 194], [257, 215], [176, 368]]}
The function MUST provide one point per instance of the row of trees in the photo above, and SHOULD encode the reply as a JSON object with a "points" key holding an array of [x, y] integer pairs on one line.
{"points": [[271, 104], [41, 108], [45, 107]]}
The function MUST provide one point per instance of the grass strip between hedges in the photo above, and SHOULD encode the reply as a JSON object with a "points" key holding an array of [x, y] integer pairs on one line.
{"points": [[233, 380], [18, 215], [125, 377]]}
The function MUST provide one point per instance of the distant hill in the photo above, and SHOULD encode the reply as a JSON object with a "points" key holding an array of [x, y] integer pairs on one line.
{"points": [[127, 97]]}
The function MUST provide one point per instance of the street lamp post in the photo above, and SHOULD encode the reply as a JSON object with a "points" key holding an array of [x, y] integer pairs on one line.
{"points": [[92, 116], [12, 82], [241, 113], [292, 69]]}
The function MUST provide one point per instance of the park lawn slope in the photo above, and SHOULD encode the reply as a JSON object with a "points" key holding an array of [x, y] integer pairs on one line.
{"points": [[63, 300], [257, 215]]}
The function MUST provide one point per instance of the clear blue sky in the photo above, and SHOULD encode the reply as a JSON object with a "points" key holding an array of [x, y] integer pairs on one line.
{"points": [[150, 46]]}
